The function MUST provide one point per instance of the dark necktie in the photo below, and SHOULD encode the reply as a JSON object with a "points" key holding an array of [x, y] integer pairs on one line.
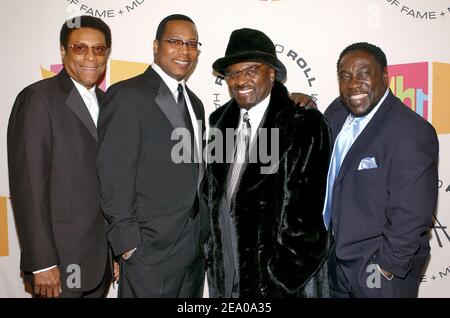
{"points": [[187, 120], [184, 111]]}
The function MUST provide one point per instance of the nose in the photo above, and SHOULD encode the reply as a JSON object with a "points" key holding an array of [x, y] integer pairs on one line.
{"points": [[183, 49], [354, 83], [241, 78], [90, 56]]}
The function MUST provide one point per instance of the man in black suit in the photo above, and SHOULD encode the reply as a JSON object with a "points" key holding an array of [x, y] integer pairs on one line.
{"points": [[52, 152], [382, 182], [150, 198]]}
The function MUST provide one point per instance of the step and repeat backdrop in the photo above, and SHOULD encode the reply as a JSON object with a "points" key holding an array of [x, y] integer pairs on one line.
{"points": [[309, 35]]}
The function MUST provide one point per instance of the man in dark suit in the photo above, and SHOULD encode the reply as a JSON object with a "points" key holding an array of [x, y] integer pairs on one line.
{"points": [[149, 190], [52, 152], [382, 183], [267, 235]]}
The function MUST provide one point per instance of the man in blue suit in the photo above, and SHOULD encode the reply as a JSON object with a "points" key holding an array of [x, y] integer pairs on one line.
{"points": [[382, 183]]}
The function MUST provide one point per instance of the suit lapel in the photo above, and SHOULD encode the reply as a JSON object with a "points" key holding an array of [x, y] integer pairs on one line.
{"points": [[76, 104], [100, 96], [166, 102], [199, 116], [229, 119], [365, 137]]}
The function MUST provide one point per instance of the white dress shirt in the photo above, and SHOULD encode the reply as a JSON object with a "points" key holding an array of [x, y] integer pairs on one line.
{"points": [[90, 99], [365, 119], [256, 114]]}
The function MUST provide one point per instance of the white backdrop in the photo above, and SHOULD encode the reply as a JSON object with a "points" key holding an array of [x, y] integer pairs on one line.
{"points": [[309, 36]]}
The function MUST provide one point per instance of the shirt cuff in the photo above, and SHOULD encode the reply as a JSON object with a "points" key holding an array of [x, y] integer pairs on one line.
{"points": [[388, 278], [45, 269], [130, 253]]}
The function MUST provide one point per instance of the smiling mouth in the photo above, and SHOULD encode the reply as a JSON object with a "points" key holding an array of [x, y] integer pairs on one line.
{"points": [[244, 91], [358, 96], [181, 63], [89, 68]]}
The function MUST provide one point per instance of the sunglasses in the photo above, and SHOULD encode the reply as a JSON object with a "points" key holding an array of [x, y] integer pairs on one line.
{"points": [[251, 72], [82, 49]]}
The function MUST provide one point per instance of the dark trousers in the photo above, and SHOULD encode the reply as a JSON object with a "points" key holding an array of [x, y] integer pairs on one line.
{"points": [[406, 287], [179, 275]]}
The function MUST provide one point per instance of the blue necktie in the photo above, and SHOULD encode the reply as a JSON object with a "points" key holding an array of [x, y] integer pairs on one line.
{"points": [[344, 141]]}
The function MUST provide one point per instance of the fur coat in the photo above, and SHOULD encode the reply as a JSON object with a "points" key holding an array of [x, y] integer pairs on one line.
{"points": [[281, 240]]}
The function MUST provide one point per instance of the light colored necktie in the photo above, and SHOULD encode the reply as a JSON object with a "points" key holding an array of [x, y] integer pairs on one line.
{"points": [[241, 154], [344, 141], [92, 106]]}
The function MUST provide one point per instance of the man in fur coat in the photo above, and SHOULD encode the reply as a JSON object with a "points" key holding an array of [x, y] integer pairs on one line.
{"points": [[266, 182]]}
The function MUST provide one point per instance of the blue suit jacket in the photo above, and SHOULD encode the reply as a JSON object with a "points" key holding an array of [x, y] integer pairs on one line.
{"points": [[381, 215]]}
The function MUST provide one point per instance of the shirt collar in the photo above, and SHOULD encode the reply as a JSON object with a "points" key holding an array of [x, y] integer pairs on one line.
{"points": [[256, 113], [170, 82], [370, 115], [82, 90]]}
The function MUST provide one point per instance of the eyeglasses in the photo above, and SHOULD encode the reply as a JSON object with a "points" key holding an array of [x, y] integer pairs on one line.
{"points": [[82, 49], [178, 44], [251, 72]]}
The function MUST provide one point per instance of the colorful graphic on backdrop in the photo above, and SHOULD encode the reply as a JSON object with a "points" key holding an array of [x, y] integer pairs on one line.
{"points": [[4, 243], [410, 83]]}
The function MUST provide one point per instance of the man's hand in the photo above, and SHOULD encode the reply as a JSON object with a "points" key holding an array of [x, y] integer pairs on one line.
{"points": [[386, 274], [303, 100], [48, 284], [116, 271]]}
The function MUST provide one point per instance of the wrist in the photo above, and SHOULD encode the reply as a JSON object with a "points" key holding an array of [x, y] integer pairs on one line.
{"points": [[386, 274]]}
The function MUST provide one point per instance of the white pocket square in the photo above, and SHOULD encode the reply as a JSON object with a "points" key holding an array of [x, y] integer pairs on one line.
{"points": [[368, 163]]}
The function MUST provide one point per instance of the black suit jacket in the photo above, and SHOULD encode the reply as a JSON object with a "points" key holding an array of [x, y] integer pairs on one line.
{"points": [[146, 196], [382, 215], [55, 192]]}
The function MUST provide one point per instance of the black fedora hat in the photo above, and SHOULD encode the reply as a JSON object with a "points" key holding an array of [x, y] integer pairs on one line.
{"points": [[250, 45]]}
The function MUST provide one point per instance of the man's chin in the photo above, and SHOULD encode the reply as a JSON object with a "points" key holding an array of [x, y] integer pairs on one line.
{"points": [[360, 113]]}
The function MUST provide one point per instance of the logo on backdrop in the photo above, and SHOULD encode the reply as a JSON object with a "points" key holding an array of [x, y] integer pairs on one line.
{"points": [[294, 62], [85, 7], [440, 232], [441, 236], [425, 11], [443, 186], [409, 82]]}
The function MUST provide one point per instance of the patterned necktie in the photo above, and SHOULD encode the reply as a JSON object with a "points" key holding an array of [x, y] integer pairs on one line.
{"points": [[344, 141], [240, 155], [91, 106]]}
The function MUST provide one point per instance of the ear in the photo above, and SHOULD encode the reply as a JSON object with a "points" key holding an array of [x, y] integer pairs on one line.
{"points": [[385, 76], [272, 74], [155, 46], [62, 49]]}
